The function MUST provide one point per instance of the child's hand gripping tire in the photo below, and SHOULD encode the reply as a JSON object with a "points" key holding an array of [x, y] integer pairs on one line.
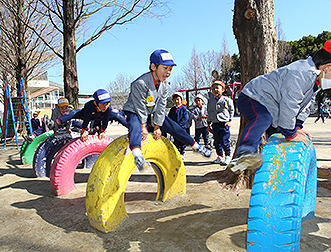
{"points": [[283, 195], [71, 154]]}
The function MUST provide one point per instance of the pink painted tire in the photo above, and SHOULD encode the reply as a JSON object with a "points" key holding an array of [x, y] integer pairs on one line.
{"points": [[65, 163]]}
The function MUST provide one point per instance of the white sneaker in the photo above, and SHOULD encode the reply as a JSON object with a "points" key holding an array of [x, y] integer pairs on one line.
{"points": [[245, 161], [141, 163], [203, 151], [227, 160], [218, 160]]}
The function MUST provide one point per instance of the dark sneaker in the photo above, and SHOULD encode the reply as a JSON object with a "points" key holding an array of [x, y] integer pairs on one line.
{"points": [[141, 163], [245, 161], [203, 151], [27, 138]]}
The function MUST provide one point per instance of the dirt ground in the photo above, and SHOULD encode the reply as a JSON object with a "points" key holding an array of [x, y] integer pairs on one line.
{"points": [[206, 218]]}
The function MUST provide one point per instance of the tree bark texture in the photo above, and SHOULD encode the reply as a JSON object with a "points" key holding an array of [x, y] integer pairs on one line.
{"points": [[70, 78], [21, 67], [254, 29]]}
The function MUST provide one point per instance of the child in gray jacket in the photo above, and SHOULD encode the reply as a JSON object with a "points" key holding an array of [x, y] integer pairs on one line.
{"points": [[200, 117], [220, 114], [280, 100], [146, 105]]}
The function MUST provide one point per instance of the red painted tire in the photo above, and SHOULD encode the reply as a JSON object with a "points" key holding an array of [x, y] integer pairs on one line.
{"points": [[65, 163]]}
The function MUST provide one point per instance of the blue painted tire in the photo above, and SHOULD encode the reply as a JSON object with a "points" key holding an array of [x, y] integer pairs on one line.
{"points": [[28, 150], [283, 195], [46, 151]]}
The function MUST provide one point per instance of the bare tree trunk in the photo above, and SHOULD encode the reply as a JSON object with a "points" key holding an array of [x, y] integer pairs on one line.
{"points": [[21, 67], [69, 54], [253, 26]]}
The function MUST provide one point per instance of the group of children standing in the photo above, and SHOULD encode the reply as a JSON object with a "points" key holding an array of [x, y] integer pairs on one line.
{"points": [[274, 102], [215, 117]]}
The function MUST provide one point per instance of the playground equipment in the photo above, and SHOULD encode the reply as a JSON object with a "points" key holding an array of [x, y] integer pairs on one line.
{"points": [[19, 110], [46, 151], [28, 150], [112, 170], [283, 195], [70, 155]]}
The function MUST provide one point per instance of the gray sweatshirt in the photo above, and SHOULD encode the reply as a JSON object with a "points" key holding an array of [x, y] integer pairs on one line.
{"points": [[286, 92], [145, 100], [56, 114], [220, 110], [198, 112]]}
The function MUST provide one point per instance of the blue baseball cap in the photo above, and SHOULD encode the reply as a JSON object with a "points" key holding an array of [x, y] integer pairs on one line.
{"points": [[162, 57], [101, 96]]}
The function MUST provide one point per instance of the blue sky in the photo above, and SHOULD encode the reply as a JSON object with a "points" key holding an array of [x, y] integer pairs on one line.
{"points": [[191, 23]]}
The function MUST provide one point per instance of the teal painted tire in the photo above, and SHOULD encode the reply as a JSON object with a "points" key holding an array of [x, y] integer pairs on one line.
{"points": [[28, 150], [283, 195]]}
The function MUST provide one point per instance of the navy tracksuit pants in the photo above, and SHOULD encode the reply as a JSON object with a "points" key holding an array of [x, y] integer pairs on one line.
{"points": [[259, 119], [221, 134], [204, 132], [168, 126]]}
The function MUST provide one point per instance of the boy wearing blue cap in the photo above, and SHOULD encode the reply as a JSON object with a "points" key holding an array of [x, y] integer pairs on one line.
{"points": [[147, 103], [280, 101], [98, 109]]}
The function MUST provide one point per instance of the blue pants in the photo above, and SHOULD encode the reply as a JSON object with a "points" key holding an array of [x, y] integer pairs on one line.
{"points": [[221, 138], [204, 132], [168, 126], [40, 130], [259, 121]]}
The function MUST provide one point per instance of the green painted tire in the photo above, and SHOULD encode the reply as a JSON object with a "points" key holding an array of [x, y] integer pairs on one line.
{"points": [[28, 150]]}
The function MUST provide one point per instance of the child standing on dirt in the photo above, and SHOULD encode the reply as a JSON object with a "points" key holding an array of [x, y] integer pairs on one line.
{"points": [[60, 109], [280, 99], [200, 117], [179, 114], [147, 104], [97, 109], [320, 113], [220, 114]]}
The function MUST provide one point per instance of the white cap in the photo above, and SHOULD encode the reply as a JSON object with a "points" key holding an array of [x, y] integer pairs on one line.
{"points": [[179, 94], [199, 96]]}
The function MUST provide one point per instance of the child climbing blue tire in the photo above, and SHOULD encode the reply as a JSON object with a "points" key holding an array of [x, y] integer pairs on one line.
{"points": [[46, 151], [28, 150], [283, 195]]}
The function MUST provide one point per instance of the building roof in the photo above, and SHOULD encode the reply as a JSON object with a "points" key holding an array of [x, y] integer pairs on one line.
{"points": [[42, 91]]}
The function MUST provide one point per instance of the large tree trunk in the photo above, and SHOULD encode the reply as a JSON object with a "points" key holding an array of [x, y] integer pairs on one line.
{"points": [[254, 29], [69, 54]]}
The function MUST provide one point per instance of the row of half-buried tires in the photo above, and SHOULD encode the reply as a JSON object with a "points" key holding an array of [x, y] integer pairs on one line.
{"points": [[46, 148], [283, 193]]}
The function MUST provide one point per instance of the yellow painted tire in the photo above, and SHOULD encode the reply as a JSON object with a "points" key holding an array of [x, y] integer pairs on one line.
{"points": [[110, 174]]}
